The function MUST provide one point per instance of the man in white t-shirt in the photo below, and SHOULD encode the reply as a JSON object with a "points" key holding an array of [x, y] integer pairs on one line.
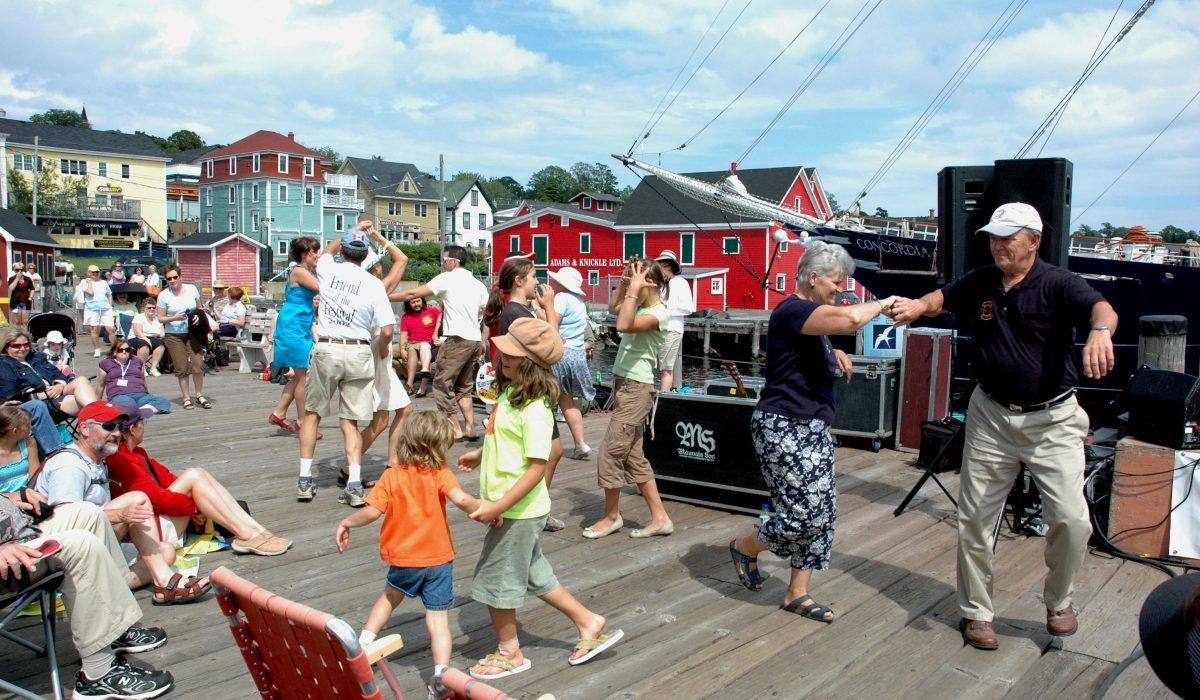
{"points": [[680, 304], [352, 301], [96, 296], [463, 298]]}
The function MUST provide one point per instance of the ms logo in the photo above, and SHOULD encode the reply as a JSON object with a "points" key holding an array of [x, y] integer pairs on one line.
{"points": [[696, 441]]}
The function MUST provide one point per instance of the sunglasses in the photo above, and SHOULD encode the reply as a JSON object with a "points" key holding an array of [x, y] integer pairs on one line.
{"points": [[18, 346], [120, 350], [109, 425], [171, 277]]}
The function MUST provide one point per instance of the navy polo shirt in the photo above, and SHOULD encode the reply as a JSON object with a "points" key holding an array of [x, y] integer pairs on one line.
{"points": [[799, 372], [1023, 339]]}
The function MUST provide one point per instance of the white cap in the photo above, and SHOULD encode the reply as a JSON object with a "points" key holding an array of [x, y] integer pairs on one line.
{"points": [[55, 337], [1012, 217], [569, 278]]}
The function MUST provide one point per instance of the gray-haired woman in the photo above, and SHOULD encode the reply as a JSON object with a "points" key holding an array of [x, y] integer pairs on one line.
{"points": [[790, 425]]}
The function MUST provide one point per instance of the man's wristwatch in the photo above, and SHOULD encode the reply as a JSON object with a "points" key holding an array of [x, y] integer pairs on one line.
{"points": [[1101, 327]]}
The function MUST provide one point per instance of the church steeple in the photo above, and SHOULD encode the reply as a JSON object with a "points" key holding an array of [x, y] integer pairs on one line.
{"points": [[83, 113]]}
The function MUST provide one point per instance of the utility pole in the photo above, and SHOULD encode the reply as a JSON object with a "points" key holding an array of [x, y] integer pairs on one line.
{"points": [[442, 200], [37, 174]]}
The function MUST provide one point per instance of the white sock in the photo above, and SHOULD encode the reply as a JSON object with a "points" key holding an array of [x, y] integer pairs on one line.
{"points": [[365, 637], [439, 670], [355, 473], [305, 468]]}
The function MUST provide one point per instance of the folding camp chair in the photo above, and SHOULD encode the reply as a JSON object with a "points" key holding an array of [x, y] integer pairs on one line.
{"points": [[294, 651], [42, 591]]}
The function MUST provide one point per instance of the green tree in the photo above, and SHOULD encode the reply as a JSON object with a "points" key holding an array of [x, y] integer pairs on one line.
{"points": [[551, 184], [468, 175], [509, 184], [594, 177], [61, 117], [185, 140], [332, 155], [881, 212], [376, 157], [159, 141], [1085, 230], [59, 198], [833, 203], [625, 193]]}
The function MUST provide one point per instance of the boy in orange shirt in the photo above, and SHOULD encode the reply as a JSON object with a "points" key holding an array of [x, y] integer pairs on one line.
{"points": [[415, 538]]}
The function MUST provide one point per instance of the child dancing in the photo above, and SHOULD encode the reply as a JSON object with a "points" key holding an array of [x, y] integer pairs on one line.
{"points": [[515, 448]]}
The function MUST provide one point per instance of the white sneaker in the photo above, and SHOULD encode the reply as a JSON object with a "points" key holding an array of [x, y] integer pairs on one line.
{"points": [[582, 452], [96, 354]]}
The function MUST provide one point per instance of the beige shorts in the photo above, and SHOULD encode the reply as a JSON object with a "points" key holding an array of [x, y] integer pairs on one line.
{"points": [[621, 458], [668, 352], [343, 371]]}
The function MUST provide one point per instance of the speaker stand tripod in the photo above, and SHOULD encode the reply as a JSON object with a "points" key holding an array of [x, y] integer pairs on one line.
{"points": [[930, 473]]}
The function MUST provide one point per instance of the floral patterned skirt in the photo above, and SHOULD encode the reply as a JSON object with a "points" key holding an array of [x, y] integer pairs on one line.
{"points": [[796, 457]]}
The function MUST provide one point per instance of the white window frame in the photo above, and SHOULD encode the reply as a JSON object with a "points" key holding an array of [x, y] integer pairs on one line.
{"points": [[474, 198], [482, 221], [466, 221], [514, 243], [101, 169], [283, 163], [254, 220], [232, 222], [566, 221], [783, 246], [725, 248], [593, 278], [421, 210], [281, 247], [208, 168], [780, 281], [232, 195], [282, 193], [534, 247], [851, 284], [233, 165], [208, 223], [692, 259], [797, 204], [717, 286], [255, 162], [254, 193], [533, 222], [586, 203], [309, 166], [585, 243], [309, 195], [395, 209], [208, 196], [71, 166], [339, 222]]}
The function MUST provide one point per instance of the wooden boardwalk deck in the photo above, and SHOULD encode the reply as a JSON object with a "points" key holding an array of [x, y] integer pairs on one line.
{"points": [[692, 630]]}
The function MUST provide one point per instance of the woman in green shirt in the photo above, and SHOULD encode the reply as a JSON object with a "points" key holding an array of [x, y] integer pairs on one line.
{"points": [[642, 322]]}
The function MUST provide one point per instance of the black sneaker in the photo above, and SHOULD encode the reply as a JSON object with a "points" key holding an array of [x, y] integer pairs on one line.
{"points": [[124, 681], [139, 639]]}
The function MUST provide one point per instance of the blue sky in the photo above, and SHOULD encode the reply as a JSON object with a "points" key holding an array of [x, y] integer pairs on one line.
{"points": [[506, 87]]}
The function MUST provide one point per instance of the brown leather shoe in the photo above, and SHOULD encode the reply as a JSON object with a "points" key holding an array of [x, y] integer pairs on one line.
{"points": [[979, 634], [1063, 623]]}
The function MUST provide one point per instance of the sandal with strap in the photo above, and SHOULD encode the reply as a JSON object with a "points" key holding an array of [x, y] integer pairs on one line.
{"points": [[187, 403], [507, 668], [750, 577], [813, 611], [595, 646], [175, 594], [204, 403]]}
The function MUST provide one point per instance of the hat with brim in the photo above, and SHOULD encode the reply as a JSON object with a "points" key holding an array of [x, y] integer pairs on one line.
{"points": [[100, 411], [220, 285], [93, 268], [55, 337], [668, 256], [532, 338], [570, 279], [519, 254], [1011, 218], [130, 408]]}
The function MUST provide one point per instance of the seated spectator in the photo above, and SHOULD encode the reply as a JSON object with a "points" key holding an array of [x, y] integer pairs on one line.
{"points": [[147, 338], [175, 499], [58, 354], [123, 374], [102, 608], [29, 375], [77, 473], [123, 305], [45, 430], [18, 450], [138, 276], [233, 314]]}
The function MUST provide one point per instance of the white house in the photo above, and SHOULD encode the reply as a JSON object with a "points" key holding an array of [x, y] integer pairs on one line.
{"points": [[471, 214]]}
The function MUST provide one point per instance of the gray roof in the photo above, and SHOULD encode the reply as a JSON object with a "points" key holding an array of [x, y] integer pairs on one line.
{"points": [[383, 177], [657, 203], [598, 196], [79, 139], [208, 239], [23, 230], [191, 155]]}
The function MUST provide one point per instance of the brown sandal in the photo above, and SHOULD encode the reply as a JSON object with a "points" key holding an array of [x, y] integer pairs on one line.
{"points": [[174, 594]]}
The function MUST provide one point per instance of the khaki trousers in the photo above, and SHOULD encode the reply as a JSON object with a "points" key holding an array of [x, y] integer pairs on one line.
{"points": [[96, 578], [1050, 443], [622, 460], [455, 376]]}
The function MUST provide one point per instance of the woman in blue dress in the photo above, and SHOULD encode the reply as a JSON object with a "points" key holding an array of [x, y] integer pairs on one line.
{"points": [[293, 328]]}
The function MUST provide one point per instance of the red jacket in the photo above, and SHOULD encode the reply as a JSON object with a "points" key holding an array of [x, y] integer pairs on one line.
{"points": [[133, 470]]}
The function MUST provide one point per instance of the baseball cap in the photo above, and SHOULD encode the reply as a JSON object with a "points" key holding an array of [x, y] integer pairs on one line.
{"points": [[532, 338], [93, 268], [100, 411], [354, 238], [55, 337], [130, 408], [1012, 217]]}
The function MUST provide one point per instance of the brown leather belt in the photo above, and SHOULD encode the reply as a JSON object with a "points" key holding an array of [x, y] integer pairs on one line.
{"points": [[344, 341]]}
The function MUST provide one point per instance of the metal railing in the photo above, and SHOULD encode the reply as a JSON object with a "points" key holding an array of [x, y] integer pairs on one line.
{"points": [[1161, 254], [349, 182], [90, 209], [343, 200]]}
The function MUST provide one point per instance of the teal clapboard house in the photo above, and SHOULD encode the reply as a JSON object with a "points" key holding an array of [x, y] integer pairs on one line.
{"points": [[272, 189]]}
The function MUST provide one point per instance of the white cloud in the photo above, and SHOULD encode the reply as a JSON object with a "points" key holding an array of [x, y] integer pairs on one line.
{"points": [[471, 54], [320, 114]]}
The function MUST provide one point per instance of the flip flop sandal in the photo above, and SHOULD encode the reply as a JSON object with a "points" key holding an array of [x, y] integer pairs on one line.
{"points": [[187, 403], [204, 403], [815, 611], [595, 646], [750, 578], [175, 594], [507, 668]]}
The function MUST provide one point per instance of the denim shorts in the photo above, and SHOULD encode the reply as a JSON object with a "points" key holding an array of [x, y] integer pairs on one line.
{"points": [[435, 584]]}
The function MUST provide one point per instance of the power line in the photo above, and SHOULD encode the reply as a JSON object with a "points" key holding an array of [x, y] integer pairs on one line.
{"points": [[1135, 160]]}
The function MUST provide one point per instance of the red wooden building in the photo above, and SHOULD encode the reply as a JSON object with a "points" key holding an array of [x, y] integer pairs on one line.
{"points": [[21, 240], [232, 258], [731, 262]]}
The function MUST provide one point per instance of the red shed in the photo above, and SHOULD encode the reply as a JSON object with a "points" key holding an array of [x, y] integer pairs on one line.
{"points": [[21, 240], [232, 258]]}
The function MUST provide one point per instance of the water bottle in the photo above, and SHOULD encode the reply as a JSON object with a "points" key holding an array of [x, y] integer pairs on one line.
{"points": [[599, 379], [764, 515]]}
